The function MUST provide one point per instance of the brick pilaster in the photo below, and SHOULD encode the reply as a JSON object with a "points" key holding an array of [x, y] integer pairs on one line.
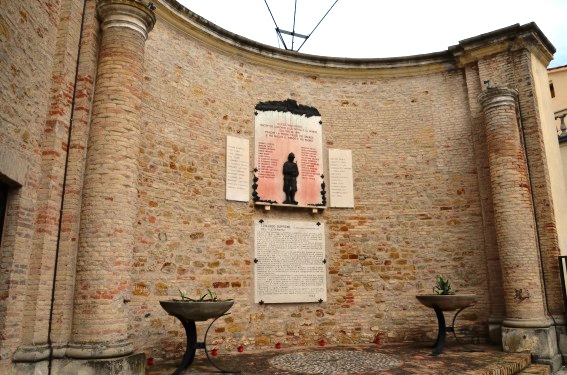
{"points": [[513, 209], [526, 326], [110, 185]]}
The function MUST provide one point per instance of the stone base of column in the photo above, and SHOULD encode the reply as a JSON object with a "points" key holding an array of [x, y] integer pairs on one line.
{"points": [[133, 364], [562, 337], [495, 330], [561, 330], [537, 336], [99, 351]]}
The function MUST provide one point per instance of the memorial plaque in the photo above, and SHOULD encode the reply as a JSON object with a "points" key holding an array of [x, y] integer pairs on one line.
{"points": [[290, 264], [237, 169], [340, 178], [288, 155]]}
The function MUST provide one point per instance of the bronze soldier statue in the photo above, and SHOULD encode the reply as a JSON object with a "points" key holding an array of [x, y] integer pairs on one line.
{"points": [[290, 173]]}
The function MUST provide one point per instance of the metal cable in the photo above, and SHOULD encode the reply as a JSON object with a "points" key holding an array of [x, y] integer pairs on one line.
{"points": [[317, 25]]}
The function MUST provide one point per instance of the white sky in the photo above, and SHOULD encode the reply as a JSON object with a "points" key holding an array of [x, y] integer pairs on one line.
{"points": [[372, 28]]}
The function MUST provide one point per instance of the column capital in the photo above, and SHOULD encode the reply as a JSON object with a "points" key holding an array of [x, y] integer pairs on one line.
{"points": [[497, 96], [131, 14]]}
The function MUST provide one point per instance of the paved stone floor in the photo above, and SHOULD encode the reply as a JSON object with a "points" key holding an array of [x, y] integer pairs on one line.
{"points": [[395, 359]]}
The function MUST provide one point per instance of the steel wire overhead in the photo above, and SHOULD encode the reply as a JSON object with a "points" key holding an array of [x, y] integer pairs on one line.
{"points": [[293, 34]]}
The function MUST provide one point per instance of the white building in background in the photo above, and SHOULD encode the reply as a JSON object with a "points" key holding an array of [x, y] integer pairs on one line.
{"points": [[558, 88]]}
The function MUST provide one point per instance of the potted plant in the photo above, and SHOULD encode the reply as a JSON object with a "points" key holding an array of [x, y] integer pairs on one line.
{"points": [[444, 296], [206, 307], [443, 286]]}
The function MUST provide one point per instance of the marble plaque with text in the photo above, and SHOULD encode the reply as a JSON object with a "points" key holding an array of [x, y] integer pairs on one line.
{"points": [[290, 264], [237, 169], [340, 178]]}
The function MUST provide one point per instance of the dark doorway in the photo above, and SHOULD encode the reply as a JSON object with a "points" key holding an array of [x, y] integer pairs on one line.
{"points": [[3, 201]]}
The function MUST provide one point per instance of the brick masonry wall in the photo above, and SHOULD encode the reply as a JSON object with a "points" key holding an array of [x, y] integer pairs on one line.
{"points": [[513, 207], [515, 71], [417, 201], [65, 287], [54, 147], [541, 181], [40, 45], [494, 271], [422, 200], [110, 187], [28, 32]]}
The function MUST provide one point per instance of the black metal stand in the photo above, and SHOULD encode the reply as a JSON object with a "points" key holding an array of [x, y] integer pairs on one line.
{"points": [[193, 345], [443, 329]]}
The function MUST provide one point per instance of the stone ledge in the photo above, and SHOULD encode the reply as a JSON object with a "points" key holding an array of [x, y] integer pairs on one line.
{"points": [[128, 365]]}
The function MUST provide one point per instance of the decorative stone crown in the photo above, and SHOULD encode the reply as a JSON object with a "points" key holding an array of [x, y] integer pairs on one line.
{"points": [[127, 13]]}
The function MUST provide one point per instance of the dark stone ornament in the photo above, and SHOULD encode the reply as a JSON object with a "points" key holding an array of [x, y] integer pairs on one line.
{"points": [[288, 105]]}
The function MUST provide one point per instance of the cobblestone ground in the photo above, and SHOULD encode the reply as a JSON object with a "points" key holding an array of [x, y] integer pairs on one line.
{"points": [[395, 359]]}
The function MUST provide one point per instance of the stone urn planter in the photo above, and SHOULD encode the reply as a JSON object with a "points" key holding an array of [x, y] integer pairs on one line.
{"points": [[196, 310], [189, 311], [447, 302]]}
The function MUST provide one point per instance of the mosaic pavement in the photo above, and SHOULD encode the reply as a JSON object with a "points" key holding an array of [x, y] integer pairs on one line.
{"points": [[368, 359], [334, 362]]}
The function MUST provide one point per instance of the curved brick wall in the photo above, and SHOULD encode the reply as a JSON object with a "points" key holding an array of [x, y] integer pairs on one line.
{"points": [[417, 149], [423, 195]]}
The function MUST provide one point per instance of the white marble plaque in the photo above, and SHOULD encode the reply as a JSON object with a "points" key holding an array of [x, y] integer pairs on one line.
{"points": [[340, 178], [237, 169], [289, 262]]}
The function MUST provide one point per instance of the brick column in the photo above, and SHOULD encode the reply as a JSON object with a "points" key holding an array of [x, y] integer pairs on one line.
{"points": [[100, 317], [527, 326]]}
